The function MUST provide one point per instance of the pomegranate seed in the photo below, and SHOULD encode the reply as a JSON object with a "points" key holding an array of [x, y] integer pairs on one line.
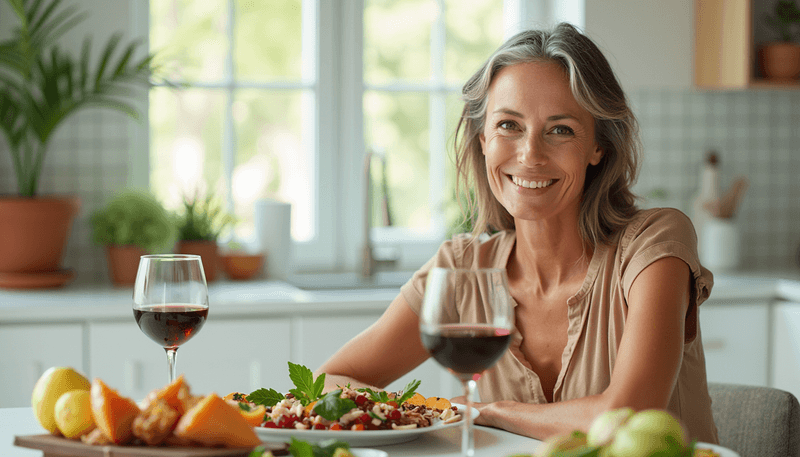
{"points": [[360, 400], [270, 424], [319, 426], [394, 414], [364, 418]]}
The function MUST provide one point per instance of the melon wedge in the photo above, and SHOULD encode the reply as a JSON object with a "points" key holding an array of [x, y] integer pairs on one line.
{"points": [[214, 422], [113, 413]]}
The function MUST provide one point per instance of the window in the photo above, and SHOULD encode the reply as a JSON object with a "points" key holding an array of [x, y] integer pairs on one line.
{"points": [[282, 99]]}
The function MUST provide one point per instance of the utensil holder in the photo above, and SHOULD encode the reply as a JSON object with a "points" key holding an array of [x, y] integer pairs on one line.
{"points": [[720, 249]]}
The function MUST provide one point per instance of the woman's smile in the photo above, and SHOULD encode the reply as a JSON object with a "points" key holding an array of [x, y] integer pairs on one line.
{"points": [[524, 184]]}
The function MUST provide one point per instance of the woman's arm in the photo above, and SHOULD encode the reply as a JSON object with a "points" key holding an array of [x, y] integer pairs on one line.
{"points": [[385, 351], [647, 364]]}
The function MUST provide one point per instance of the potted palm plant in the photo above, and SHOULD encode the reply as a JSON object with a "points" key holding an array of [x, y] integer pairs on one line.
{"points": [[41, 86], [132, 224], [199, 226], [781, 59]]}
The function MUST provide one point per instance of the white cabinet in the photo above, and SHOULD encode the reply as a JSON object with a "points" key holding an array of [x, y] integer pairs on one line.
{"points": [[736, 342], [28, 350], [225, 356], [786, 344]]}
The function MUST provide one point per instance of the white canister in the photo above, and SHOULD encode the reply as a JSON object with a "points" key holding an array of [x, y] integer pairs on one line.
{"points": [[273, 230], [720, 247]]}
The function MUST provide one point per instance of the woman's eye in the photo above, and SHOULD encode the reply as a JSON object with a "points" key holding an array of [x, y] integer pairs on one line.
{"points": [[507, 125], [562, 130]]}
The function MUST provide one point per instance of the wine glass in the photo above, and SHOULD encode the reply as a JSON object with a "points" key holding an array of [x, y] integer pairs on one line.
{"points": [[170, 300], [466, 323]]}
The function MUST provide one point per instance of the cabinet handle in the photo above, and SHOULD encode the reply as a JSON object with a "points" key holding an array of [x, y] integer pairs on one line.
{"points": [[715, 344], [255, 375], [36, 371], [131, 373]]}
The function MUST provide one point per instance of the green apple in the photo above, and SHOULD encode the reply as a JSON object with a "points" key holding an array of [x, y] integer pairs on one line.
{"points": [[637, 443], [605, 426], [557, 445], [658, 422]]}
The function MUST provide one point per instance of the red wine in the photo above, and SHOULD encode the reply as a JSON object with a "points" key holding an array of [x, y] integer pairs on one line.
{"points": [[466, 349], [170, 325]]}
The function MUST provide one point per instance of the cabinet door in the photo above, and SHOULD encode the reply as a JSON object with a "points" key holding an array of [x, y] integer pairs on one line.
{"points": [[736, 339], [29, 350], [225, 356], [321, 337], [786, 347]]}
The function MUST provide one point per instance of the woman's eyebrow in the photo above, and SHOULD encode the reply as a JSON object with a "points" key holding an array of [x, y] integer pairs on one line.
{"points": [[555, 117]]}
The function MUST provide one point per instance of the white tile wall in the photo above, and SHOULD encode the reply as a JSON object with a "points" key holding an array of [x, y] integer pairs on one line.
{"points": [[757, 134]]}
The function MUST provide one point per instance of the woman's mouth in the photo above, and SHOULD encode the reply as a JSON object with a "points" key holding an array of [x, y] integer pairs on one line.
{"points": [[537, 184]]}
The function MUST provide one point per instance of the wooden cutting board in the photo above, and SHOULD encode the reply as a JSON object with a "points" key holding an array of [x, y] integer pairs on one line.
{"points": [[58, 446]]}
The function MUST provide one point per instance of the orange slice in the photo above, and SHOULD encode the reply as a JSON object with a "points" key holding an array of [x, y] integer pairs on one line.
{"points": [[214, 422], [255, 416], [113, 413], [437, 403], [310, 407], [173, 393], [418, 399]]}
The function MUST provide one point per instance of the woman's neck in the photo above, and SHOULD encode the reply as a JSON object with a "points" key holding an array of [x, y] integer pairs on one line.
{"points": [[549, 253]]}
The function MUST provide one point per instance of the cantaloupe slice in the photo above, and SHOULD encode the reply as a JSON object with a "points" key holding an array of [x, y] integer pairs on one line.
{"points": [[173, 393], [214, 422], [113, 413]]}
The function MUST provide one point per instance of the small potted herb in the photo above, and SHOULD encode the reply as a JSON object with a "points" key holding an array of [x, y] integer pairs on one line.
{"points": [[781, 59], [199, 226], [131, 225]]}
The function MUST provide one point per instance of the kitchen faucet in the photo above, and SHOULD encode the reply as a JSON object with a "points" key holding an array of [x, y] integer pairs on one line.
{"points": [[369, 264]]}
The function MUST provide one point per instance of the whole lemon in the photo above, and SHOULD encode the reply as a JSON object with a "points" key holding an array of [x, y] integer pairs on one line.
{"points": [[55, 382], [73, 413]]}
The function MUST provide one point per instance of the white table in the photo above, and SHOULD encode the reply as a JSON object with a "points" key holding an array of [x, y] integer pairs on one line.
{"points": [[489, 442]]}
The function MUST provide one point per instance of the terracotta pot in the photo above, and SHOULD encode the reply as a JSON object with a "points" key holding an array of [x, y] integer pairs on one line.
{"points": [[208, 252], [780, 61], [123, 263], [242, 266], [34, 232]]}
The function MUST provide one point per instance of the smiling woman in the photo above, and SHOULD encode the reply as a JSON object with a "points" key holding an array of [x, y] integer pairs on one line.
{"points": [[605, 295]]}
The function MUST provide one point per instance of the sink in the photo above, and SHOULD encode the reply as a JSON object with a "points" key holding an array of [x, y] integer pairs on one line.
{"points": [[350, 280]]}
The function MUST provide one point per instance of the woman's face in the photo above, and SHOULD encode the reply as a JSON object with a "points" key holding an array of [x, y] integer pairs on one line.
{"points": [[538, 141]]}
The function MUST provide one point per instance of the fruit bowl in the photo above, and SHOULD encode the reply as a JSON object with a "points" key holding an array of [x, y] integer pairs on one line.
{"points": [[241, 266]]}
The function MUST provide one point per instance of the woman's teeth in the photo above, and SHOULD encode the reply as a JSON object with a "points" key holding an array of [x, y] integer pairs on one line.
{"points": [[531, 184]]}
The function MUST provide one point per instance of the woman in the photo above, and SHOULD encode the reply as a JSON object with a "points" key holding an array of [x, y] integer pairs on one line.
{"points": [[606, 295]]}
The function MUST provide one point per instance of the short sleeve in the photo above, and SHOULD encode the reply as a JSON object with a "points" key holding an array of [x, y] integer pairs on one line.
{"points": [[414, 290], [660, 233]]}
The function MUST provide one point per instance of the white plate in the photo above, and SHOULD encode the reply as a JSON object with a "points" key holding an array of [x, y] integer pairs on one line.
{"points": [[357, 438], [364, 452], [722, 451]]}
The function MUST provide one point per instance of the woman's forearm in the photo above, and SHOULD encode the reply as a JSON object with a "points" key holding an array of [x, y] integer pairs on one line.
{"points": [[333, 382], [541, 421]]}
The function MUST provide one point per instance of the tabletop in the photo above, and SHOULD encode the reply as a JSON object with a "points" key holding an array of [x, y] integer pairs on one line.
{"points": [[489, 442]]}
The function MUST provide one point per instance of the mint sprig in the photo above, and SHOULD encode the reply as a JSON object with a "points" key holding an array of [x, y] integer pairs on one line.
{"points": [[408, 391], [383, 397], [307, 389], [331, 406], [266, 397]]}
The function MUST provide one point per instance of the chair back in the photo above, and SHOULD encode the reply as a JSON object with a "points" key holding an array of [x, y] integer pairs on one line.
{"points": [[756, 421]]}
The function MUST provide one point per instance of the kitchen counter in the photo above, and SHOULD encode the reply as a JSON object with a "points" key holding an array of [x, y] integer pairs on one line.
{"points": [[278, 298]]}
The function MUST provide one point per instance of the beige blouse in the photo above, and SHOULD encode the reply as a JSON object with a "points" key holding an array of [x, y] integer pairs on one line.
{"points": [[596, 316]]}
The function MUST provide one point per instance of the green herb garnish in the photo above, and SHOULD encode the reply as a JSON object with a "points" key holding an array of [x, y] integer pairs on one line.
{"points": [[383, 397], [331, 406], [307, 389], [266, 397], [326, 448]]}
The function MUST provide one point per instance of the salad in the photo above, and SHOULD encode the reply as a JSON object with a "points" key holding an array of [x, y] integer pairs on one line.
{"points": [[306, 408]]}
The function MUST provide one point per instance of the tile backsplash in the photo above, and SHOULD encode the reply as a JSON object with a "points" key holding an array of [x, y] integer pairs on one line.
{"points": [[756, 134]]}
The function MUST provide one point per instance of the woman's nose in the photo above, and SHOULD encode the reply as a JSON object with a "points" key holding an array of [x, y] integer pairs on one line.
{"points": [[532, 152]]}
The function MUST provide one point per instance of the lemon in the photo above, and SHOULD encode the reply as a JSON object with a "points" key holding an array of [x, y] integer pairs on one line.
{"points": [[73, 413], [55, 382]]}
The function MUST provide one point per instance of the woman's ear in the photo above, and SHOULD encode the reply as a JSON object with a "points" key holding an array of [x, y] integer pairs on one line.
{"points": [[597, 156], [482, 139]]}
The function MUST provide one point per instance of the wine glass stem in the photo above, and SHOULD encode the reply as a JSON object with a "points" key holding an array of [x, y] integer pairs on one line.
{"points": [[467, 438], [172, 353]]}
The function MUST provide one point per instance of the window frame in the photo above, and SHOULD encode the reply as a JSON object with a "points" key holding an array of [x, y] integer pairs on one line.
{"points": [[333, 68]]}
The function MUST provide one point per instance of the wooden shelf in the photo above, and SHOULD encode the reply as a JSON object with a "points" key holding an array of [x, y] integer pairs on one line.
{"points": [[727, 36]]}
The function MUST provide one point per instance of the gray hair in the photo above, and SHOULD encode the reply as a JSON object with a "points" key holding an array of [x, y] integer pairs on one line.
{"points": [[608, 202]]}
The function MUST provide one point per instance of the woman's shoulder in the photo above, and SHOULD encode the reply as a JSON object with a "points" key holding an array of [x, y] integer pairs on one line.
{"points": [[660, 222], [482, 251]]}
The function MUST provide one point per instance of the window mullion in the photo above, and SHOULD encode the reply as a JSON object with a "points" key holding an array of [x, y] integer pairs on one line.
{"points": [[229, 129], [437, 109]]}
